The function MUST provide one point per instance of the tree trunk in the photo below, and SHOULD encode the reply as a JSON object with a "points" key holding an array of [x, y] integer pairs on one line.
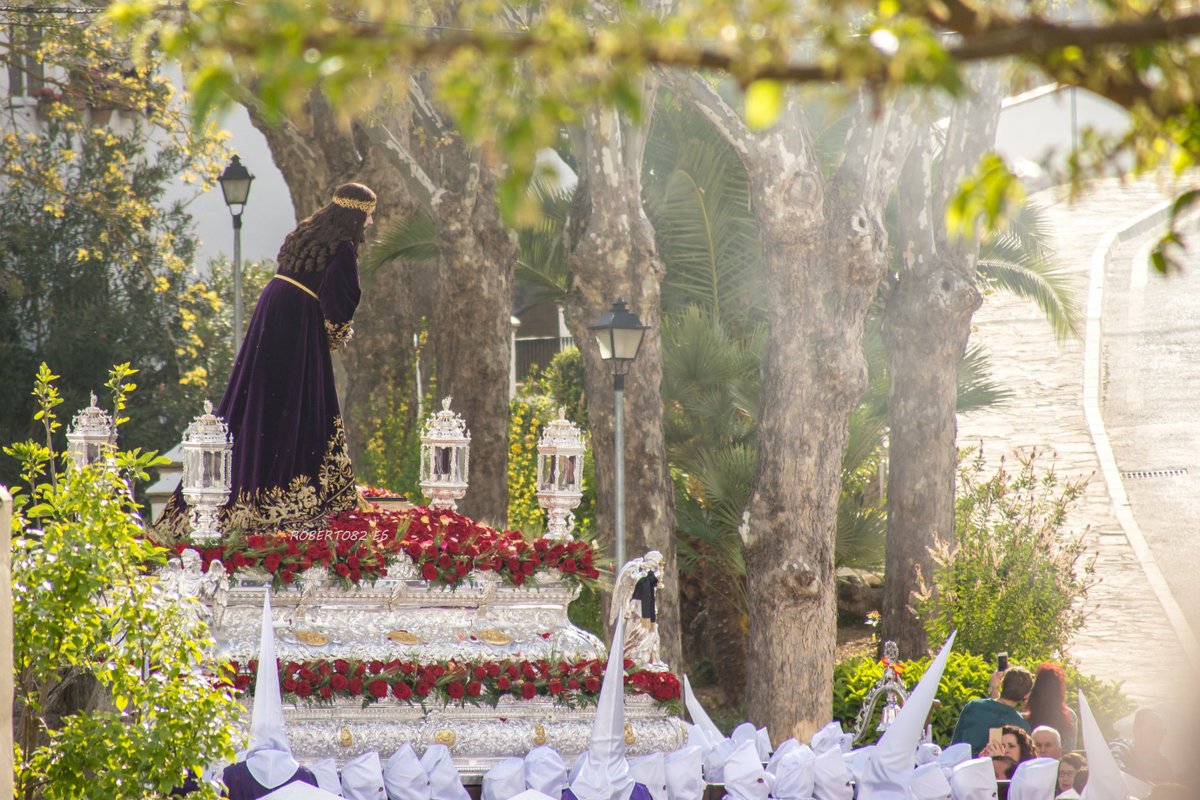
{"points": [[612, 255], [824, 249], [927, 321]]}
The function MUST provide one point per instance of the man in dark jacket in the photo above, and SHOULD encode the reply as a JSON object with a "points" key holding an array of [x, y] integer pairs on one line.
{"points": [[978, 716]]}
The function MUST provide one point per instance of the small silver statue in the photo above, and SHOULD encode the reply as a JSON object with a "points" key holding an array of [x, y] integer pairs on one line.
{"points": [[184, 580], [635, 590]]}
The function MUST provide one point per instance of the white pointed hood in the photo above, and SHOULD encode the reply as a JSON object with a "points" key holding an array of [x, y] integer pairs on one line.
{"points": [[832, 737], [269, 757], [952, 756], [534, 794], [545, 771], [326, 773], [1105, 779], [831, 776], [504, 780], [685, 777], [785, 747], [1036, 779], [651, 771], [603, 773], [795, 774], [927, 753], [404, 777], [299, 790], [974, 780], [362, 778], [889, 768], [929, 783], [444, 781], [703, 723], [745, 778]]}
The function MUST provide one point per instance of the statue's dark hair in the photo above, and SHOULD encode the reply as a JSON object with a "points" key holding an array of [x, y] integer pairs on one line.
{"points": [[310, 246]]}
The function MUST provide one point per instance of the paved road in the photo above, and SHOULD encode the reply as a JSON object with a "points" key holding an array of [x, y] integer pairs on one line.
{"points": [[1151, 401], [1127, 635]]}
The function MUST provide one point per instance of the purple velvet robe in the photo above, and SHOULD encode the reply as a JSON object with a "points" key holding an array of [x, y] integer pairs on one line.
{"points": [[240, 784], [640, 792], [290, 462]]}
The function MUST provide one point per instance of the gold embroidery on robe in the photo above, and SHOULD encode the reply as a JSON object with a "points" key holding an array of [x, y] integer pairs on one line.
{"points": [[306, 499], [338, 334]]}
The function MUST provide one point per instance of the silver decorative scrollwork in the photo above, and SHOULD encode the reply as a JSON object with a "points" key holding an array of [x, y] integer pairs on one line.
{"points": [[889, 687]]}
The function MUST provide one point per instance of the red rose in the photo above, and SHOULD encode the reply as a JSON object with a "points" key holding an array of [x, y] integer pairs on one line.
{"points": [[456, 690], [555, 686], [289, 685], [375, 667], [307, 674], [493, 669], [291, 548], [342, 569], [518, 578], [407, 668], [429, 572], [341, 665], [596, 669], [568, 566], [378, 688], [444, 561], [324, 669], [303, 688], [360, 669], [573, 684], [424, 688], [628, 663], [339, 681], [353, 562], [355, 686], [503, 683], [461, 568], [592, 684], [527, 670], [480, 672], [528, 690], [271, 562], [402, 691], [326, 692], [355, 575], [474, 688]]}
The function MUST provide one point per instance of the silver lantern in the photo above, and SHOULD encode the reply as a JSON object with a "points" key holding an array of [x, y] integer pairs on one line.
{"points": [[91, 437], [560, 475], [445, 458], [207, 457]]}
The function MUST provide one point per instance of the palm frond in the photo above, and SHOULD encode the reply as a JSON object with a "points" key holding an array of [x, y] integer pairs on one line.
{"points": [[976, 389], [413, 238]]}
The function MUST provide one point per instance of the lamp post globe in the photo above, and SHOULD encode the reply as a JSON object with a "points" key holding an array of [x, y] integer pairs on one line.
{"points": [[619, 335], [235, 187]]}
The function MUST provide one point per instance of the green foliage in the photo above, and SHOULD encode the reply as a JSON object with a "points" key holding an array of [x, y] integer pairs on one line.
{"points": [[395, 414], [563, 381], [87, 614], [94, 260], [966, 678], [1011, 580]]}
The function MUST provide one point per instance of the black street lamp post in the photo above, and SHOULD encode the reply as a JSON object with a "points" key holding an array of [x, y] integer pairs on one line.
{"points": [[619, 334], [235, 185]]}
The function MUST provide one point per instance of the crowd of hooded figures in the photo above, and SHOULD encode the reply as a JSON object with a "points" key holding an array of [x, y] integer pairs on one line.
{"points": [[902, 765]]}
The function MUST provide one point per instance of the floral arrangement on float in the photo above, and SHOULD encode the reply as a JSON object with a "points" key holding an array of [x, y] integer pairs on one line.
{"points": [[573, 684], [445, 547]]}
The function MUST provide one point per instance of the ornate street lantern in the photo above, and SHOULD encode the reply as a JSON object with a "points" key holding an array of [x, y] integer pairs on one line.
{"points": [[889, 688], [91, 437], [445, 454], [560, 475], [207, 457]]}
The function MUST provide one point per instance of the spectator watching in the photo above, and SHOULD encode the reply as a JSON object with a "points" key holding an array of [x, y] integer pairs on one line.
{"points": [[978, 716], [1048, 704], [1142, 757], [1070, 765], [1047, 742]]}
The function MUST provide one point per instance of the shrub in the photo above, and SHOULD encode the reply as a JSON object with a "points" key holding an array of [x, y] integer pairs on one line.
{"points": [[966, 678], [1011, 581]]}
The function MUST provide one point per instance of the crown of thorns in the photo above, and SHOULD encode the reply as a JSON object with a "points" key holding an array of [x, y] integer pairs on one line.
{"points": [[365, 206]]}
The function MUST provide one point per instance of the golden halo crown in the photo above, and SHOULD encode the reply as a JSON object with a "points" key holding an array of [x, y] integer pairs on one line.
{"points": [[365, 206]]}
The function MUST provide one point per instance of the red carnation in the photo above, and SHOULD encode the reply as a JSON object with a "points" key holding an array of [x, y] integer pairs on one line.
{"points": [[592, 684], [493, 669], [474, 688], [355, 686], [271, 562], [326, 692], [528, 690], [378, 688], [555, 686], [402, 691], [461, 568], [444, 561], [429, 572], [503, 683], [527, 670], [573, 684], [353, 562], [480, 672], [456, 690], [355, 575]]}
